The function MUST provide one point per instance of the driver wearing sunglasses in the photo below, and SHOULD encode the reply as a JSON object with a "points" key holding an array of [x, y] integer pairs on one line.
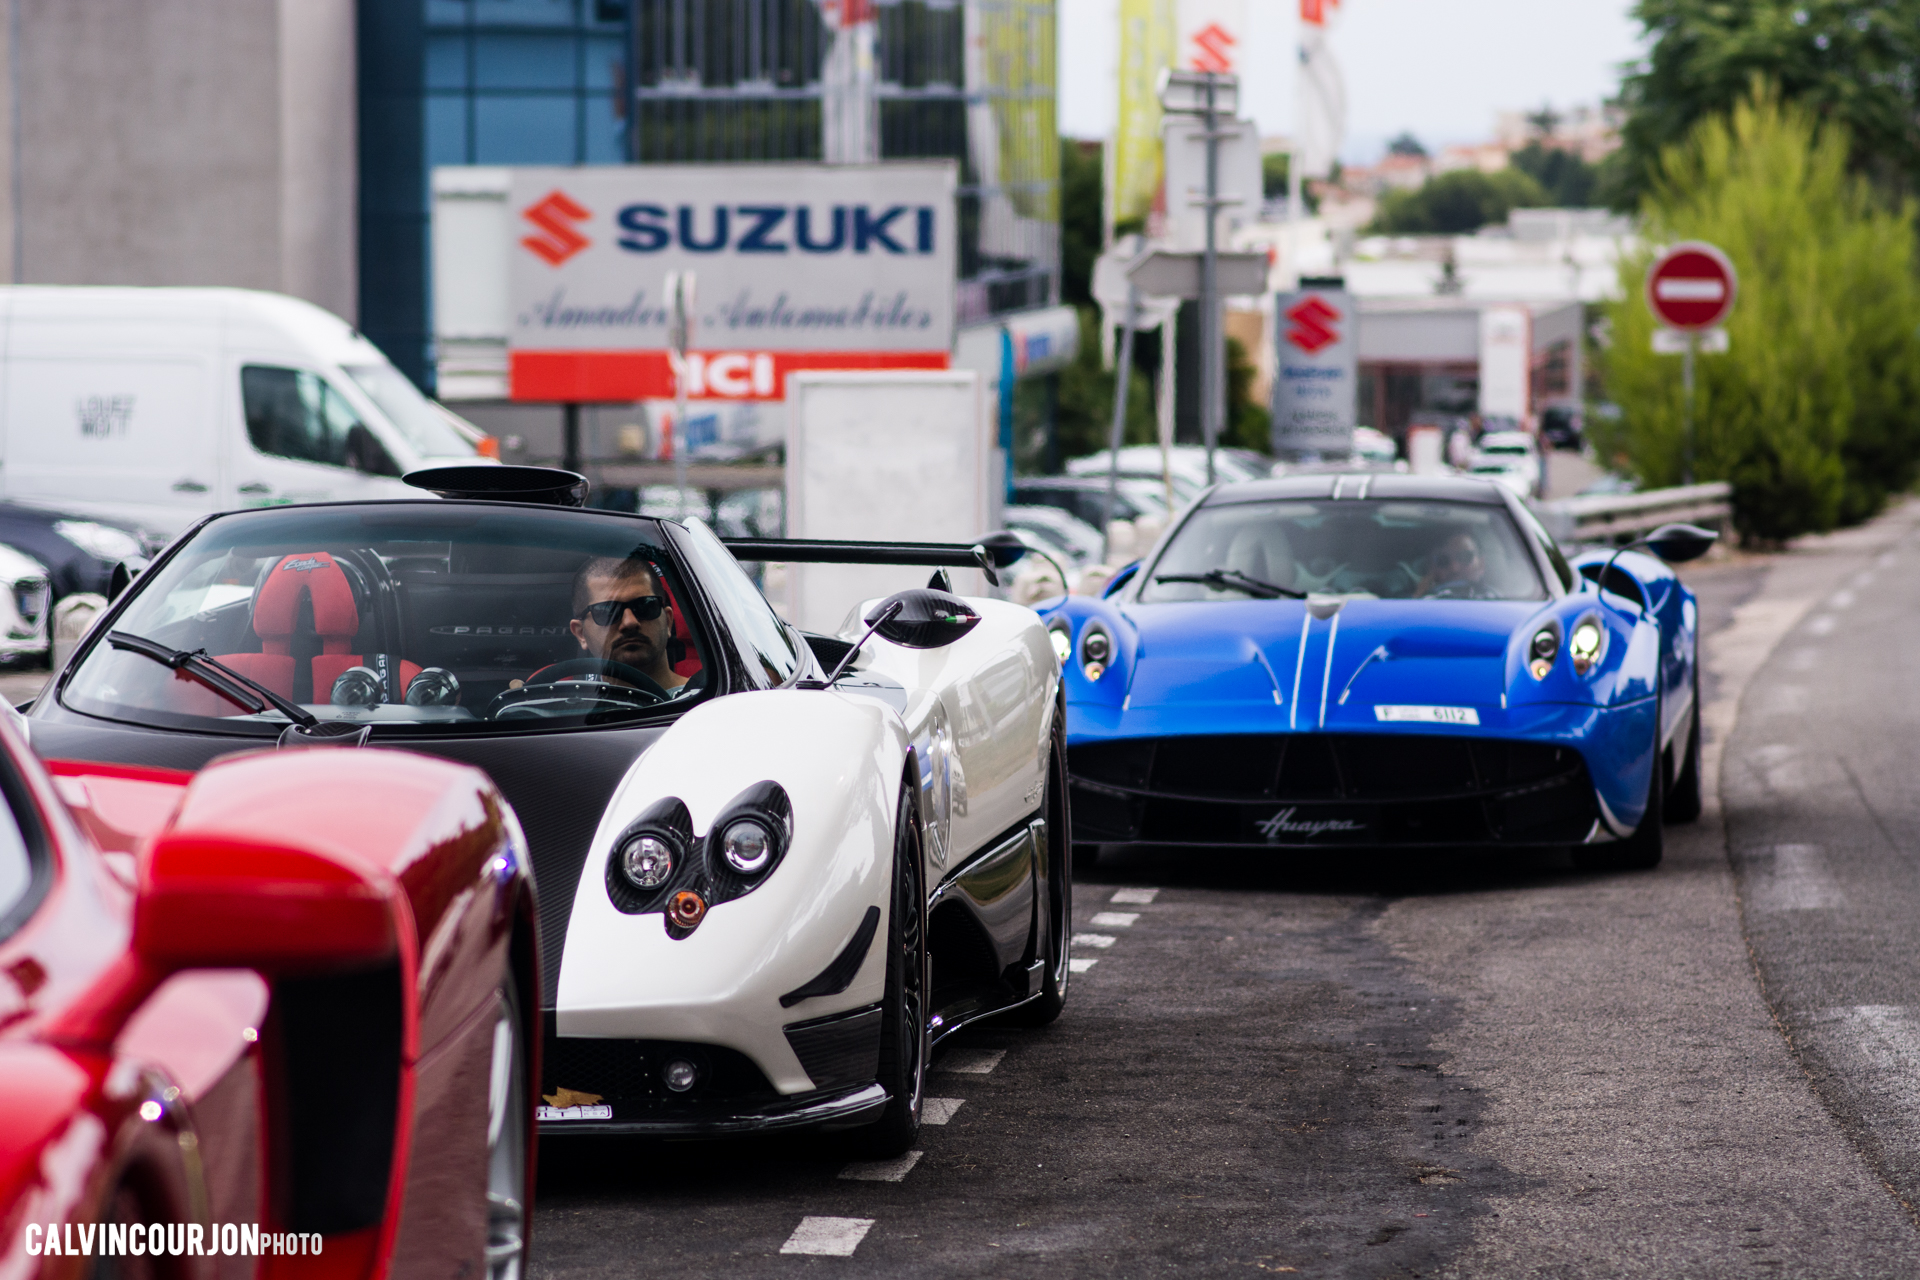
{"points": [[620, 613], [1456, 562]]}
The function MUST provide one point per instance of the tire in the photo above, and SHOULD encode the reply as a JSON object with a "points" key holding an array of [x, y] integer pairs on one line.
{"points": [[509, 1124], [1056, 946], [1683, 798], [903, 1010], [1640, 851]]}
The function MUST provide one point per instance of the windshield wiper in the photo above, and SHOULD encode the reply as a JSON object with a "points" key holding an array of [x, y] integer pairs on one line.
{"points": [[217, 676], [1234, 578]]}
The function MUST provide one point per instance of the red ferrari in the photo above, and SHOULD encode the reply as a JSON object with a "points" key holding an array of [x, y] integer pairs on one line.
{"points": [[272, 1019]]}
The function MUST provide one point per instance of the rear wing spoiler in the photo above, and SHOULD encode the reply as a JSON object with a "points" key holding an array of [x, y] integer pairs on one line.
{"points": [[987, 555]]}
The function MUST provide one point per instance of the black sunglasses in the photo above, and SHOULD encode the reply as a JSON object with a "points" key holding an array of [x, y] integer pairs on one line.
{"points": [[603, 613]]}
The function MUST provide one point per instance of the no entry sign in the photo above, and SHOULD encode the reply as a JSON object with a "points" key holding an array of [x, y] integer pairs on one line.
{"points": [[1691, 286]]}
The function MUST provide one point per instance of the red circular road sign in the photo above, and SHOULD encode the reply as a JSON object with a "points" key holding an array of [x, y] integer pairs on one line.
{"points": [[1691, 286]]}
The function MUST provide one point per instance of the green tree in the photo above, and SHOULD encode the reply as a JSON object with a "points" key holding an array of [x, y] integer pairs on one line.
{"points": [[1457, 202], [1569, 181], [1082, 193], [1855, 63], [1406, 145], [1085, 407], [1814, 413], [1249, 423]]}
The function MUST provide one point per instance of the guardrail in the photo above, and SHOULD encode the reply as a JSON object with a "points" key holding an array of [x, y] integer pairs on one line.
{"points": [[1622, 517]]}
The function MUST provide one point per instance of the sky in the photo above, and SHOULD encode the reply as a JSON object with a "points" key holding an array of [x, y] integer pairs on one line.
{"points": [[1441, 68]]}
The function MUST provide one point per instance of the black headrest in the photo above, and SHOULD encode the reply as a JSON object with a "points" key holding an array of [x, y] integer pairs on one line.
{"points": [[546, 486]]}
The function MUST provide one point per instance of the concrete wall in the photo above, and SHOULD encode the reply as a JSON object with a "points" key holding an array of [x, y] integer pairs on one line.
{"points": [[173, 142]]}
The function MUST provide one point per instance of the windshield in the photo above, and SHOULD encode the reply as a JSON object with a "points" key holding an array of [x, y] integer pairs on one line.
{"points": [[1397, 550], [416, 618], [424, 427]]}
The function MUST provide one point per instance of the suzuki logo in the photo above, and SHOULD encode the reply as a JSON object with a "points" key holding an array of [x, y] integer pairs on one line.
{"points": [[1313, 322], [1214, 51], [554, 217]]}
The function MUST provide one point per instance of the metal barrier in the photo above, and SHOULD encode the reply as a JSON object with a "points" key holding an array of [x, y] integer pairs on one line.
{"points": [[1622, 517]]}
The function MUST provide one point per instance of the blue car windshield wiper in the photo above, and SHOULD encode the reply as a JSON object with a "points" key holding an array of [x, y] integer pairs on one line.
{"points": [[1235, 579], [217, 676]]}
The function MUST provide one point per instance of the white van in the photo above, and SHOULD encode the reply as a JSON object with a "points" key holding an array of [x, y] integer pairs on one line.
{"points": [[157, 406]]}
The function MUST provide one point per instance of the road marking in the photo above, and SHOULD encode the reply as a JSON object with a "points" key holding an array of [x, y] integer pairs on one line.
{"points": [[1135, 897], [828, 1237], [1114, 919], [1841, 600], [1082, 965], [882, 1170], [1803, 659], [938, 1110], [971, 1062], [1793, 877], [1862, 578], [1823, 624], [1779, 767], [1885, 1040], [1098, 941]]}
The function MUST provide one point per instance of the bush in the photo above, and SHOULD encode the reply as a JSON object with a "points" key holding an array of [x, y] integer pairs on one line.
{"points": [[1457, 202], [1814, 413]]}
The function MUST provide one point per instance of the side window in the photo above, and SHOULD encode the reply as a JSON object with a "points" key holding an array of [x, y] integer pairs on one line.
{"points": [[764, 641], [293, 413], [1561, 568]]}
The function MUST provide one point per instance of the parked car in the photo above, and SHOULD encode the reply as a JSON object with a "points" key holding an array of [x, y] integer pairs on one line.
{"points": [[1512, 458], [747, 867], [1427, 670], [1068, 536], [79, 552], [1562, 428], [1187, 464], [291, 998], [1085, 498], [26, 606], [162, 405]]}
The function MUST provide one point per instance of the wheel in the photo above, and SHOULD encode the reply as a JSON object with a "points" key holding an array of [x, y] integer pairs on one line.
{"points": [[903, 1011], [508, 1205], [1683, 798], [1643, 848], [1057, 946]]}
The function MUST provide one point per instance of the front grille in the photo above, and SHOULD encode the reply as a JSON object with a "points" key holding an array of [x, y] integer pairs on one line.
{"points": [[626, 1075], [1330, 788], [843, 1048]]}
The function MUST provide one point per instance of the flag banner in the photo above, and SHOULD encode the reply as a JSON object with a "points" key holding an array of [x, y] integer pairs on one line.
{"points": [[1148, 36]]}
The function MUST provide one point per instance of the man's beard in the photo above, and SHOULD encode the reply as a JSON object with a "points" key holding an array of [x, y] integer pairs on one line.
{"points": [[635, 651]]}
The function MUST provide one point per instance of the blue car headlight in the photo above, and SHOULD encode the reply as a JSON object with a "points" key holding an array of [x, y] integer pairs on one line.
{"points": [[1096, 651], [1587, 645]]}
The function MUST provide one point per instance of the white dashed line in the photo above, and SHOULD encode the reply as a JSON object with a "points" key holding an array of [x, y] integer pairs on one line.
{"points": [[1135, 897], [882, 1170], [939, 1110], [828, 1237], [1841, 600], [971, 1062], [1793, 877], [1823, 624], [1114, 919], [1082, 965], [1098, 941]]}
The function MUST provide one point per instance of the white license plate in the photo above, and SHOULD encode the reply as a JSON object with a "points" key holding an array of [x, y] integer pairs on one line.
{"points": [[1428, 715], [550, 1114]]}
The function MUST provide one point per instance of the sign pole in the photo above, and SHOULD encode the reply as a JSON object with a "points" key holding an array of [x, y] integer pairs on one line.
{"points": [[679, 335], [570, 447], [1686, 417], [1211, 353], [1123, 376]]}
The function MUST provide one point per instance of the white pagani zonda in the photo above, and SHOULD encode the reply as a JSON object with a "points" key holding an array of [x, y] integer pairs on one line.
{"points": [[773, 870]]}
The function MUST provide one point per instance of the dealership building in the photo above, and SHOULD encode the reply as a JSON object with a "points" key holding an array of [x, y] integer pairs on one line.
{"points": [[290, 145]]}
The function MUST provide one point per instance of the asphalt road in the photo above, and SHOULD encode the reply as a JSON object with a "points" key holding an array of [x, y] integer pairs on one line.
{"points": [[1460, 1067]]}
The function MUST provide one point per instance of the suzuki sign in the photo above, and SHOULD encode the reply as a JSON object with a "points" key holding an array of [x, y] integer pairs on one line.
{"points": [[1314, 392], [800, 267]]}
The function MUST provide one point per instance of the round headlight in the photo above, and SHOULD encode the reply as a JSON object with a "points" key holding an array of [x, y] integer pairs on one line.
{"points": [[1545, 643], [1585, 645], [1062, 643], [746, 846], [646, 861], [1096, 652]]}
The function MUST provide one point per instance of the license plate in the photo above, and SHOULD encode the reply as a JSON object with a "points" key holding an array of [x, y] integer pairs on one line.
{"points": [[1428, 715], [551, 1115]]}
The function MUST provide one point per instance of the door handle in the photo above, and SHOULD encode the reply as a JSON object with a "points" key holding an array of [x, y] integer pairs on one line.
{"points": [[188, 486], [256, 487]]}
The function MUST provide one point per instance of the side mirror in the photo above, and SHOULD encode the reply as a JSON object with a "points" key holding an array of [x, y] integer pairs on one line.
{"points": [[207, 901], [1003, 548], [1679, 543], [926, 619]]}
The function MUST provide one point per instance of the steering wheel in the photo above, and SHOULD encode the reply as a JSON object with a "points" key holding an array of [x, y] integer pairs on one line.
{"points": [[559, 689], [1459, 589]]}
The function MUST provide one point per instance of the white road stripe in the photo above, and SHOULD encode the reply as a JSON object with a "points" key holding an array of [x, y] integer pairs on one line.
{"points": [[1098, 941], [971, 1062], [1841, 600], [828, 1237], [882, 1170], [1082, 964], [939, 1110], [1823, 624], [1793, 877], [1114, 919], [1883, 1043], [1134, 897]]}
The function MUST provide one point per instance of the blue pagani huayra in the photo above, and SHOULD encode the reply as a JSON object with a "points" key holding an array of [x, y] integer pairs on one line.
{"points": [[1383, 660]]}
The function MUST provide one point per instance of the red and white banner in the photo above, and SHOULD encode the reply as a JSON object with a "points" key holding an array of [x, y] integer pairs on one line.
{"points": [[608, 377]]}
